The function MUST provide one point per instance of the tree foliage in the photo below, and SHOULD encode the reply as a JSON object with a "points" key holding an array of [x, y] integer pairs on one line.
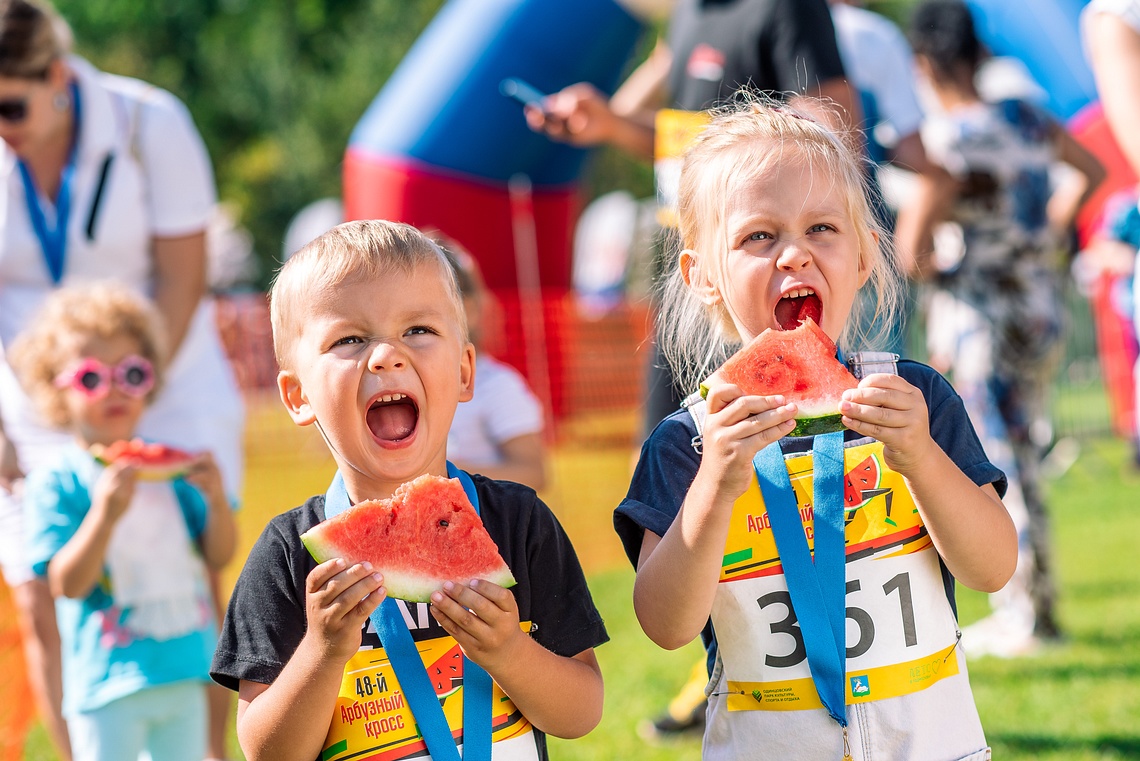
{"points": [[275, 86]]}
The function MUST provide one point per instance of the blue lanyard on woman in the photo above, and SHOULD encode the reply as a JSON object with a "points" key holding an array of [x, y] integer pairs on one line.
{"points": [[817, 589], [53, 240], [409, 667]]}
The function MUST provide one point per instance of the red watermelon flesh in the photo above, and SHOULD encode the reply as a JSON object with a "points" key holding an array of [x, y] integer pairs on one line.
{"points": [[800, 364], [154, 461], [426, 533]]}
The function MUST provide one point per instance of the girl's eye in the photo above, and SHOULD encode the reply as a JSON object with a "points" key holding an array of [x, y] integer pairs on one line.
{"points": [[759, 236], [348, 340], [821, 228]]}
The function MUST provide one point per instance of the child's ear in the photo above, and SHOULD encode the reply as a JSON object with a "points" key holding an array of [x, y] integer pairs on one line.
{"points": [[864, 269], [293, 397], [467, 373], [696, 276]]}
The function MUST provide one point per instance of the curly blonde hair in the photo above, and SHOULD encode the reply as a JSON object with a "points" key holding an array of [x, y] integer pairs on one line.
{"points": [[70, 317], [743, 140]]}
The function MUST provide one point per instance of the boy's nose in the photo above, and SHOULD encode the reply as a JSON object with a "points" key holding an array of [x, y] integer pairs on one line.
{"points": [[386, 357]]}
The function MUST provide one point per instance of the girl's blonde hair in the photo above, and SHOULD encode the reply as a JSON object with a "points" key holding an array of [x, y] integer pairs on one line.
{"points": [[68, 319], [362, 249], [742, 141]]}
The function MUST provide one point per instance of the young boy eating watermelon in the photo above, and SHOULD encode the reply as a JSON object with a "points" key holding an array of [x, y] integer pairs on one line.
{"points": [[369, 333]]}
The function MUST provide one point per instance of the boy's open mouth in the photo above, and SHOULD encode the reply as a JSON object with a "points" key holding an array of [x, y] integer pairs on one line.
{"points": [[796, 306], [393, 417]]}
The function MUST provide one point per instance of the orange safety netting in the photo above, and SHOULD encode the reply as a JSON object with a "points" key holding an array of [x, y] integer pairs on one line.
{"points": [[577, 362], [16, 707]]}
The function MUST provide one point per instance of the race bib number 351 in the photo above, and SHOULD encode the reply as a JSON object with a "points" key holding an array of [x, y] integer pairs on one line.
{"points": [[901, 634]]}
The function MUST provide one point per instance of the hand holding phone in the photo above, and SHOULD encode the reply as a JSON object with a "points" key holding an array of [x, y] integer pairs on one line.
{"points": [[522, 92]]}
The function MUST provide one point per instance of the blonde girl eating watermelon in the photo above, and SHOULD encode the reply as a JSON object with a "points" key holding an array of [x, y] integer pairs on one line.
{"points": [[847, 649], [125, 558]]}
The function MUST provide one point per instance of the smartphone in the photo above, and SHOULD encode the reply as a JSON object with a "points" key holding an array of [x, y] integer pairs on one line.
{"points": [[522, 92]]}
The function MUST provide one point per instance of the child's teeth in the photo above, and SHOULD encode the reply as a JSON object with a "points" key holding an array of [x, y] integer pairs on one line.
{"points": [[392, 397]]}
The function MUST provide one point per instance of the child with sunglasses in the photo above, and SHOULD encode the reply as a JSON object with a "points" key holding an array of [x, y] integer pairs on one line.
{"points": [[125, 558]]}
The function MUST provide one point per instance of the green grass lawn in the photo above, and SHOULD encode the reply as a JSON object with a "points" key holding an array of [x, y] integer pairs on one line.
{"points": [[1077, 700]]}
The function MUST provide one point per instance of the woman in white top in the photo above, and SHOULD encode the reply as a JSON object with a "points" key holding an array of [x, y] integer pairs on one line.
{"points": [[101, 177]]}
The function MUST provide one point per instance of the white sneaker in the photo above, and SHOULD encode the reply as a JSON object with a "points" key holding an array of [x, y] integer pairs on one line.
{"points": [[1001, 635]]}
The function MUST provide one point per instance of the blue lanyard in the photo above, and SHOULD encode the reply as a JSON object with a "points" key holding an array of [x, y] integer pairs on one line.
{"points": [[409, 667], [817, 589], [53, 240]]}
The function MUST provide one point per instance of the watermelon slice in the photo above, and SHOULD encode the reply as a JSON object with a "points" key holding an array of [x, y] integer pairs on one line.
{"points": [[425, 534], [155, 462], [800, 364]]}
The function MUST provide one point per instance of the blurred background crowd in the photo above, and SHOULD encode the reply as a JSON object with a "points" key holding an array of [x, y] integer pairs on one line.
{"points": [[533, 138]]}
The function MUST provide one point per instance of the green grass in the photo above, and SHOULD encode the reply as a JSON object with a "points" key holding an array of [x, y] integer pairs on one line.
{"points": [[1079, 700]]}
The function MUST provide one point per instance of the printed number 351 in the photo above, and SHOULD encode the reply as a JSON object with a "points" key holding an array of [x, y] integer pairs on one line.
{"points": [[790, 625]]}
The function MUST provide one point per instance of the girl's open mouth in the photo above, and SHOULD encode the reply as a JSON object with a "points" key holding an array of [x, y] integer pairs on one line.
{"points": [[393, 417], [796, 306]]}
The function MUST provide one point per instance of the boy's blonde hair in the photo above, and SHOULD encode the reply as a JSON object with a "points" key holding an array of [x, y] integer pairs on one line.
{"points": [[69, 318], [742, 141], [358, 250]]}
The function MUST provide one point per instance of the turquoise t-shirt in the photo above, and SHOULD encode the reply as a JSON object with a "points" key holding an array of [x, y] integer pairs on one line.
{"points": [[149, 620]]}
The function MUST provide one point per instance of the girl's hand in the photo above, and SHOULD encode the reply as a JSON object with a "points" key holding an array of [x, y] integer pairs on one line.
{"points": [[205, 475], [114, 489], [888, 408], [736, 428], [484, 619], [338, 600]]}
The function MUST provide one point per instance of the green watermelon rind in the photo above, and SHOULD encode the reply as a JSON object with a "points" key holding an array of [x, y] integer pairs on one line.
{"points": [[149, 471], [402, 585], [812, 426]]}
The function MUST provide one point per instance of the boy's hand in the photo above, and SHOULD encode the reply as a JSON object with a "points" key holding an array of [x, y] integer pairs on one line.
{"points": [[482, 617], [736, 428], [338, 600], [205, 475], [114, 489], [888, 408]]}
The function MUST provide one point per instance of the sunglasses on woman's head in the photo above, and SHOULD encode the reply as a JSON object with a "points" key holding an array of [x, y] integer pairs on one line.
{"points": [[134, 376], [14, 110]]}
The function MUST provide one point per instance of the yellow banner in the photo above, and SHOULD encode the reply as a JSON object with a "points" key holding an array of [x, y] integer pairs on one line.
{"points": [[862, 686], [674, 133]]}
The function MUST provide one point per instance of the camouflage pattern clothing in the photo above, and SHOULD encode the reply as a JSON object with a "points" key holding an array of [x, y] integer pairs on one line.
{"points": [[996, 319]]}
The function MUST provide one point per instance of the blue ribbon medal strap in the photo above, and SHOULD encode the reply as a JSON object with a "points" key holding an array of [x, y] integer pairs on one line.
{"points": [[409, 667], [53, 240], [817, 589]]}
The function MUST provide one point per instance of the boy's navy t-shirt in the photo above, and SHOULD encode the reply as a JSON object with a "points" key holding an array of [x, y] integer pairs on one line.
{"points": [[266, 617]]}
